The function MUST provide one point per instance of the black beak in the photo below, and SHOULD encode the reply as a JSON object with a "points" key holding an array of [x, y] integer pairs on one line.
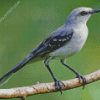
{"points": [[94, 11]]}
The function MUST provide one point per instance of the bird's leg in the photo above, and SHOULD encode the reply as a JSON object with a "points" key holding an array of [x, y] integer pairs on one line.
{"points": [[75, 72], [58, 84]]}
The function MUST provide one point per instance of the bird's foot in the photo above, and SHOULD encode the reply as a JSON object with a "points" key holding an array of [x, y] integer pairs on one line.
{"points": [[81, 79], [59, 85]]}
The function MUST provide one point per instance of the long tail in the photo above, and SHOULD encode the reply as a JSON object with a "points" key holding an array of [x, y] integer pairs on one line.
{"points": [[6, 76]]}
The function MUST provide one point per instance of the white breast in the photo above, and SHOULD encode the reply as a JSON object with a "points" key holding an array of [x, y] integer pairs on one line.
{"points": [[74, 45]]}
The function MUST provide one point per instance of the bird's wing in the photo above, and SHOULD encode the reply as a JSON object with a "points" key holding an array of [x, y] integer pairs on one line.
{"points": [[53, 42]]}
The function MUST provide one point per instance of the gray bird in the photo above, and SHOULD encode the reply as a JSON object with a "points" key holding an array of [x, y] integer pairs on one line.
{"points": [[62, 43]]}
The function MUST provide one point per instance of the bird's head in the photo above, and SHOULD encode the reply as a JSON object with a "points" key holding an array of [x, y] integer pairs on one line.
{"points": [[81, 15]]}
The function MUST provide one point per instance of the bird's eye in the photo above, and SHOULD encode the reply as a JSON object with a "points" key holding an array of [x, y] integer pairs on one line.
{"points": [[83, 13]]}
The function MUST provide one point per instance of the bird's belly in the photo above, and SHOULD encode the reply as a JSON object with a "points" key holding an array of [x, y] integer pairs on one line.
{"points": [[72, 47]]}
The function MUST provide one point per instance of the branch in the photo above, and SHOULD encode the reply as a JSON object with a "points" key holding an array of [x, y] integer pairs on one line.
{"points": [[41, 88]]}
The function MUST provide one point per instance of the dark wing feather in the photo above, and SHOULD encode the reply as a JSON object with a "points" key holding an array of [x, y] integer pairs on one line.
{"points": [[52, 43]]}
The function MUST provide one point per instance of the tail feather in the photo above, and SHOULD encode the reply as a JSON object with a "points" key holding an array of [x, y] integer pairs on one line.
{"points": [[6, 76]]}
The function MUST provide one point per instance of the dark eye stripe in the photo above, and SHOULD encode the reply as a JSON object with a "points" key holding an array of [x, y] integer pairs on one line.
{"points": [[83, 13]]}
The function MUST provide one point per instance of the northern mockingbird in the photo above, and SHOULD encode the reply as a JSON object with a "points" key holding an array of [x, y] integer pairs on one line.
{"points": [[62, 43]]}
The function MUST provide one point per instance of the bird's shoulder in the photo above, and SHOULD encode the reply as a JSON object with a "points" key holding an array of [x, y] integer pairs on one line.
{"points": [[56, 40]]}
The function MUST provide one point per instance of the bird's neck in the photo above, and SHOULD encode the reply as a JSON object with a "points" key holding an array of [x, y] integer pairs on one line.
{"points": [[74, 24]]}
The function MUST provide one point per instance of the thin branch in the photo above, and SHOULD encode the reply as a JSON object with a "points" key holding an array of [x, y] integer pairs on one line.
{"points": [[41, 88]]}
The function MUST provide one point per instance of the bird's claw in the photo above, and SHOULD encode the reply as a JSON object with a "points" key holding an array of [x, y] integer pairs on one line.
{"points": [[59, 85], [81, 78]]}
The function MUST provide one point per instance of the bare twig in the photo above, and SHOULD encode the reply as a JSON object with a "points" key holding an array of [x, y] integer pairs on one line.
{"points": [[41, 88]]}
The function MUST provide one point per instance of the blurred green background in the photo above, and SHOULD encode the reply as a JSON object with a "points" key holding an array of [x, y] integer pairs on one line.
{"points": [[24, 25]]}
